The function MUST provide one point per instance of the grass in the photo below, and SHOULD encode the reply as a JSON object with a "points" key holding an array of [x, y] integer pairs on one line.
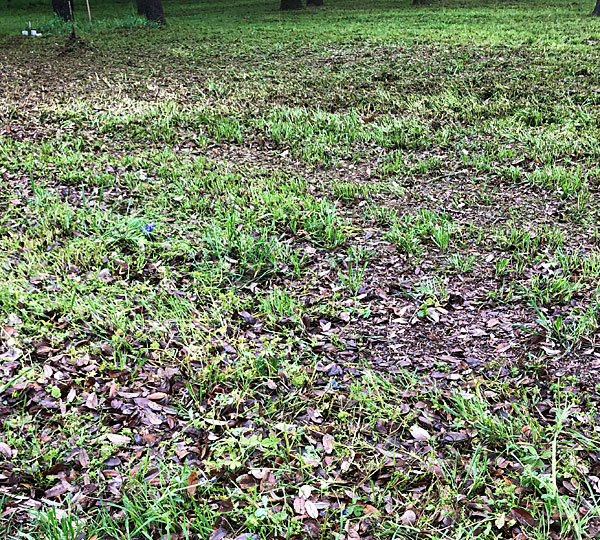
{"points": [[327, 274]]}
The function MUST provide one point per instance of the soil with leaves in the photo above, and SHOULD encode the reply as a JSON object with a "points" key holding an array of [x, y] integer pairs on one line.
{"points": [[329, 274]]}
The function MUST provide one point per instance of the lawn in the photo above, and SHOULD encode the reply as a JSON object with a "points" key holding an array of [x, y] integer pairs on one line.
{"points": [[323, 274]]}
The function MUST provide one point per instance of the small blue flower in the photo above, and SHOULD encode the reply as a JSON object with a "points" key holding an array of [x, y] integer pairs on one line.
{"points": [[333, 384], [148, 228]]}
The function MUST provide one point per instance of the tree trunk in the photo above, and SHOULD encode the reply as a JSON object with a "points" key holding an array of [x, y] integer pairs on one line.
{"points": [[287, 5], [154, 11], [320, 2], [61, 8], [141, 7], [596, 12]]}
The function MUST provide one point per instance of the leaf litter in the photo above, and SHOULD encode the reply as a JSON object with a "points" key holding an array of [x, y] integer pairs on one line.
{"points": [[407, 399]]}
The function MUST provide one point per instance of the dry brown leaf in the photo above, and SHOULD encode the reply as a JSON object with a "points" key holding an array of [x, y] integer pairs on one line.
{"points": [[328, 441], [219, 534], [269, 482], [92, 401], [192, 484], [5, 450], [299, 507], [84, 459], [408, 518], [419, 434], [157, 396], [259, 474], [245, 481], [352, 531], [117, 439], [369, 509], [57, 490], [524, 517], [311, 509], [305, 491]]}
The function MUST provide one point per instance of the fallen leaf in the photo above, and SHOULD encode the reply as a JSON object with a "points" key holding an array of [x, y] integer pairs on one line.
{"points": [[92, 401], [57, 490], [268, 482], [218, 534], [328, 441], [288, 428], [453, 436], [192, 484], [299, 507], [305, 491], [419, 434], [493, 322], [408, 518], [84, 459], [157, 396], [369, 119], [5, 450], [245, 481], [352, 531], [311, 509], [259, 474], [106, 349], [369, 509], [524, 517], [117, 439]]}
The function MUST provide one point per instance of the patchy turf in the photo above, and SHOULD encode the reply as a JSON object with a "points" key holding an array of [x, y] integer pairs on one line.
{"points": [[328, 274]]}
